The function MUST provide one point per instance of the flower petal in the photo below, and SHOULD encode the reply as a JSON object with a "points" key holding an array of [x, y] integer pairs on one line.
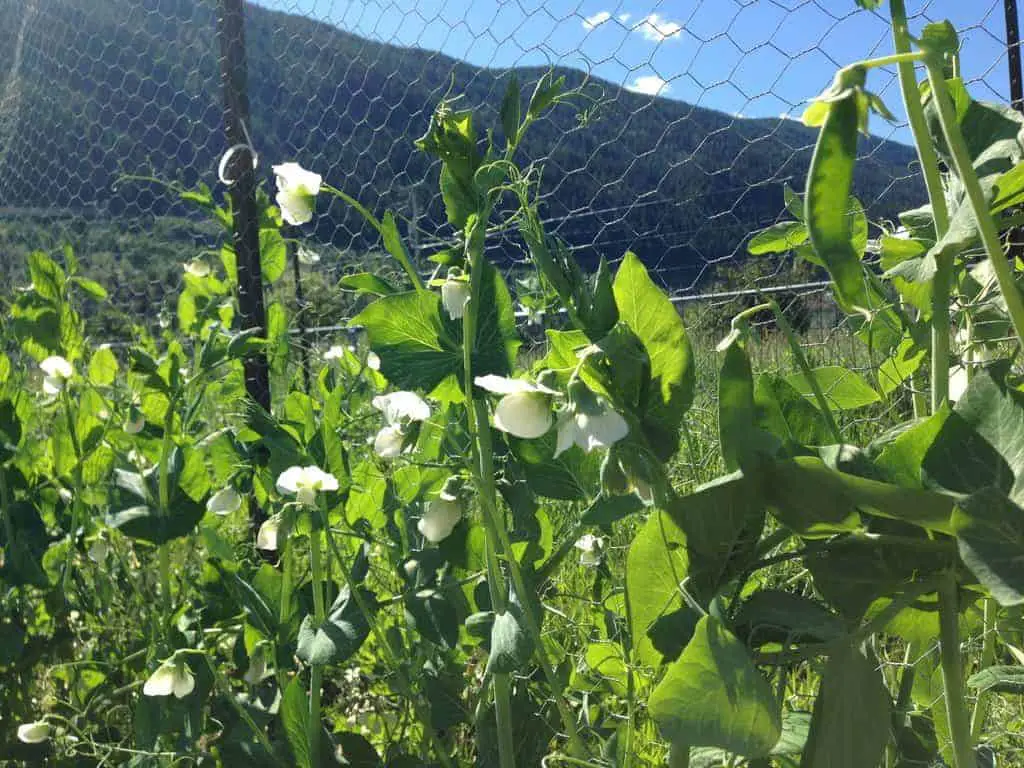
{"points": [[439, 519], [402, 406], [266, 537], [34, 733], [389, 441], [161, 682], [224, 502], [454, 297], [523, 414], [184, 683], [290, 480], [600, 431], [57, 366], [501, 385], [566, 433]]}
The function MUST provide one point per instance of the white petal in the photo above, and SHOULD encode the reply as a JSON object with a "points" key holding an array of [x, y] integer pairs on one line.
{"points": [[161, 682], [184, 683], [523, 414], [294, 176], [197, 268], [290, 480], [57, 366], [266, 537], [224, 502], [439, 519], [600, 431], [34, 733], [320, 480], [296, 206], [307, 256], [454, 297], [388, 442], [257, 670], [98, 551], [53, 385], [337, 352], [590, 559], [566, 433], [588, 542], [402, 406], [957, 383], [500, 385], [373, 361]]}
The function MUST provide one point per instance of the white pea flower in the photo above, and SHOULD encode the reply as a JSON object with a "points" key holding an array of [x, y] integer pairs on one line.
{"points": [[307, 256], [65, 495], [305, 482], [591, 548], [590, 422], [98, 550], [135, 423], [56, 372], [173, 676], [266, 536], [455, 296], [224, 502], [34, 733], [439, 519], [335, 352], [197, 267], [257, 666], [389, 441], [296, 192], [372, 361], [525, 409], [399, 409]]}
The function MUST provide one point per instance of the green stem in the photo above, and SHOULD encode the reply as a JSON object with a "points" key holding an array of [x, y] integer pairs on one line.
{"points": [[964, 169], [76, 499], [805, 368], [164, 500], [952, 674], [988, 655], [390, 657], [679, 756], [502, 684], [243, 715], [896, 58], [316, 671]]}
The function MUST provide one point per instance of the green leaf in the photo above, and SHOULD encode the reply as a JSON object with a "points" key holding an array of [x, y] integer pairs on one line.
{"points": [[656, 322], [91, 287], [48, 278], [343, 631], [786, 413], [368, 283], [605, 668], [295, 719], [736, 407], [999, 679], [850, 724], [1009, 189], [904, 362], [844, 390], [778, 238], [990, 534], [981, 444], [940, 37], [432, 613], [273, 255], [511, 646], [144, 522], [511, 107], [774, 616], [102, 367], [656, 564], [713, 696], [257, 611], [548, 88]]}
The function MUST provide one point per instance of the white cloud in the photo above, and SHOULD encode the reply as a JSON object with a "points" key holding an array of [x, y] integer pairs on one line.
{"points": [[596, 20], [624, 17], [657, 29], [652, 85]]}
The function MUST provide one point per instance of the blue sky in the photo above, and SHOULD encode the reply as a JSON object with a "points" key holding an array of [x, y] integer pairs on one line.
{"points": [[753, 58]]}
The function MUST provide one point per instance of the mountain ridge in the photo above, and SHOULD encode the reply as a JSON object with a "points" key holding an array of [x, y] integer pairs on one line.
{"points": [[134, 89]]}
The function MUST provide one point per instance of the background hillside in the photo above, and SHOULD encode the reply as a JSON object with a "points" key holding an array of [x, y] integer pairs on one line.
{"points": [[91, 90]]}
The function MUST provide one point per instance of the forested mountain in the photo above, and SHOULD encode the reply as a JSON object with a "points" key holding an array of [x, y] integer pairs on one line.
{"points": [[91, 90]]}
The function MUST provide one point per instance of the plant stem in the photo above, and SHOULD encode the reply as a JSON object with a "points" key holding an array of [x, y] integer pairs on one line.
{"points": [[988, 655], [937, 197], [390, 657], [76, 500], [164, 500], [805, 368], [501, 681], [986, 226], [952, 673], [316, 671]]}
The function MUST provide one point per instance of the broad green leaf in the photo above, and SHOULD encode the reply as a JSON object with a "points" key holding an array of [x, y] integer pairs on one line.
{"points": [[981, 444], [605, 668], [990, 534], [367, 282], [722, 523], [844, 390], [656, 565], [714, 696], [433, 614], [511, 106], [850, 724], [904, 362], [277, 338], [144, 522], [548, 88], [342, 632], [257, 611], [902, 459], [91, 287], [48, 278], [24, 544], [775, 616], [940, 37], [102, 367], [392, 238], [295, 718], [736, 407], [784, 412], [778, 238], [273, 255], [656, 322], [1000, 679], [511, 646], [1009, 189]]}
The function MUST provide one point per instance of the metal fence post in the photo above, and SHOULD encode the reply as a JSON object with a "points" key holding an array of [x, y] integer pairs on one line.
{"points": [[1013, 54], [246, 235]]}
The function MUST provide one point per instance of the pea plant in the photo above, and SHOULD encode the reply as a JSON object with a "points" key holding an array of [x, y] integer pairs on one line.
{"points": [[442, 549]]}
